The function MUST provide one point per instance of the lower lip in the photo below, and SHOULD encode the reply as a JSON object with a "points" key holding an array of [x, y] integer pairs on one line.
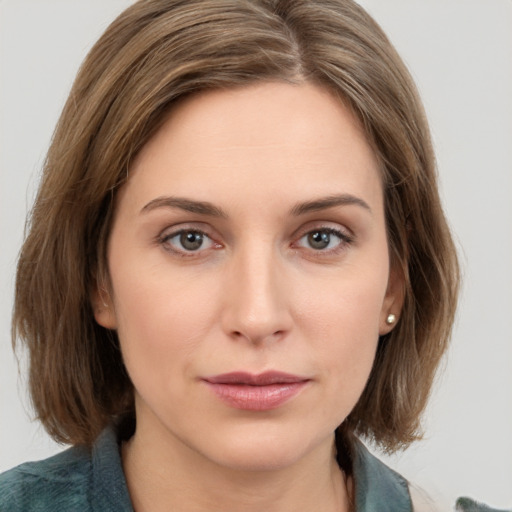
{"points": [[257, 398]]}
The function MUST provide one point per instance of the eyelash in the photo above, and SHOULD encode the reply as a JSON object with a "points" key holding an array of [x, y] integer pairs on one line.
{"points": [[344, 240], [164, 240]]}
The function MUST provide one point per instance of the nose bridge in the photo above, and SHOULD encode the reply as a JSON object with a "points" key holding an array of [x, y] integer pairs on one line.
{"points": [[256, 300]]}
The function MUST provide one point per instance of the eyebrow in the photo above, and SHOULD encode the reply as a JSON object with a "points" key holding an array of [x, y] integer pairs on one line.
{"points": [[188, 205], [207, 208], [324, 203]]}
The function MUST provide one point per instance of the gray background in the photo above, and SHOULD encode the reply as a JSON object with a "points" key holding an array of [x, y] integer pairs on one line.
{"points": [[460, 53]]}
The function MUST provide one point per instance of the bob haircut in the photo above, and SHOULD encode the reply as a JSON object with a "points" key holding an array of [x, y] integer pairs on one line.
{"points": [[154, 54]]}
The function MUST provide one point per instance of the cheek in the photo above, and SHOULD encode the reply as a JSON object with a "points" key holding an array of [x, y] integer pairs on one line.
{"points": [[346, 306], [162, 319], [347, 343], [343, 324]]}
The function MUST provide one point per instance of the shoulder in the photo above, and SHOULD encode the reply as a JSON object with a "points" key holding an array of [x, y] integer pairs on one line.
{"points": [[377, 486], [470, 505], [60, 482], [76, 479]]}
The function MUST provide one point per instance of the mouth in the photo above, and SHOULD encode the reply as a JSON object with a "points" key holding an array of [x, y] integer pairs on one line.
{"points": [[256, 392]]}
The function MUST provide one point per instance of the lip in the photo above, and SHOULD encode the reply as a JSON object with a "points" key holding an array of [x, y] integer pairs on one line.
{"points": [[256, 392]]}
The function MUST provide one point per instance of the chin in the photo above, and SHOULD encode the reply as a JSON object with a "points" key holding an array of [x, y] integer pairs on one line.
{"points": [[259, 460], [266, 451]]}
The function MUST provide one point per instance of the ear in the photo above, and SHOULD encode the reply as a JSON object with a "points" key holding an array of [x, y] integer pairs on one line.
{"points": [[103, 308], [393, 300]]}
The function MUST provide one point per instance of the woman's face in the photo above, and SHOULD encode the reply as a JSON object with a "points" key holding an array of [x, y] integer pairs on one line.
{"points": [[250, 275]]}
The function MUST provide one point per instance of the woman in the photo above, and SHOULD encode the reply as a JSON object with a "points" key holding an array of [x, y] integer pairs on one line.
{"points": [[237, 262]]}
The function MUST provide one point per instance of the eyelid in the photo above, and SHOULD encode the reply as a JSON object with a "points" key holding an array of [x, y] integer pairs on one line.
{"points": [[334, 227], [170, 232], [345, 235]]}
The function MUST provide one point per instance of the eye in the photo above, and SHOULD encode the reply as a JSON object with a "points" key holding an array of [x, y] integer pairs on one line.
{"points": [[324, 239], [187, 241]]}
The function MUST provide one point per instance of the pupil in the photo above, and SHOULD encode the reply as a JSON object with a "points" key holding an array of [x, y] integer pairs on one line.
{"points": [[319, 239], [191, 240]]}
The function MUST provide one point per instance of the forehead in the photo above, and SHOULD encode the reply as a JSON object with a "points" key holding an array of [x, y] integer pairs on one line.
{"points": [[295, 139], [264, 114]]}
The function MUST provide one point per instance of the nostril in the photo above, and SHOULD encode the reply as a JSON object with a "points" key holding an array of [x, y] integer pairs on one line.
{"points": [[257, 338]]}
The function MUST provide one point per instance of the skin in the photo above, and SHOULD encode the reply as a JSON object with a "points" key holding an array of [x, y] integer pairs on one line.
{"points": [[257, 295]]}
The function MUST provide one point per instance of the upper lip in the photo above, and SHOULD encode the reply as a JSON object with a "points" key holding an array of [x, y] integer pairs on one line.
{"points": [[260, 379]]}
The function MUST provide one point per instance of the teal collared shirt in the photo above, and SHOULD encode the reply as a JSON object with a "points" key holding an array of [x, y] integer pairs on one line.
{"points": [[93, 481], [75, 480]]}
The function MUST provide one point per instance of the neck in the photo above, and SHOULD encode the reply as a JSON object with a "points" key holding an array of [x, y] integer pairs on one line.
{"points": [[163, 475]]}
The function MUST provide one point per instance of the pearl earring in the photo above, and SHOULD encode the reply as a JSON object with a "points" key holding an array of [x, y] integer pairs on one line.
{"points": [[391, 319]]}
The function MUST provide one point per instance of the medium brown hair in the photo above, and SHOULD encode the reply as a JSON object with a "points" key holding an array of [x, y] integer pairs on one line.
{"points": [[155, 53]]}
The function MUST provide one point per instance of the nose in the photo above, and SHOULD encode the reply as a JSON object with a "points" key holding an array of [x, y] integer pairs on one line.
{"points": [[257, 303]]}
